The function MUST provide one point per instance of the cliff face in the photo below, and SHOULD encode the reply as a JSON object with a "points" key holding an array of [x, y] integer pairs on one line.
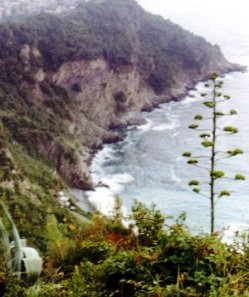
{"points": [[105, 98], [66, 81]]}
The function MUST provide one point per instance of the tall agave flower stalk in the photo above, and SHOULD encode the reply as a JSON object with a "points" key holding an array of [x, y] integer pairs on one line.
{"points": [[24, 261]]}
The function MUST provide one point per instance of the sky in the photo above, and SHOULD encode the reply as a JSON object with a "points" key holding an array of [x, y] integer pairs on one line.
{"points": [[234, 12], [222, 22]]}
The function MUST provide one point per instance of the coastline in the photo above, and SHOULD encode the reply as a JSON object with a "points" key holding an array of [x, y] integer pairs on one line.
{"points": [[83, 195]]}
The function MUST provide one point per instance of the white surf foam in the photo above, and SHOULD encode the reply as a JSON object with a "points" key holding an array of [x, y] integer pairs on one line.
{"points": [[103, 197], [173, 174], [235, 231], [172, 124], [163, 127], [147, 126], [100, 158], [175, 134]]}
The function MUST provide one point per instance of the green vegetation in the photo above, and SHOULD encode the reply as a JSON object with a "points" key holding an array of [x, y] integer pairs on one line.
{"points": [[117, 30], [210, 141], [30, 189], [149, 258]]}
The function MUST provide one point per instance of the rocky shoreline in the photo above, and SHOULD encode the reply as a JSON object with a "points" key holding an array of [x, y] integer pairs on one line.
{"points": [[82, 196], [108, 101]]}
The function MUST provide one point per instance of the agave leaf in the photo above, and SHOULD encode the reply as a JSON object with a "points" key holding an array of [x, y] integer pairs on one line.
{"points": [[24, 261], [31, 264], [4, 237], [32, 267], [16, 248]]}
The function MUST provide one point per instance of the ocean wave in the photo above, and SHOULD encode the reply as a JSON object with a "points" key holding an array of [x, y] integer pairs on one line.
{"points": [[105, 154], [101, 159], [103, 198], [171, 125], [235, 230], [188, 99], [175, 134], [173, 175], [147, 126]]}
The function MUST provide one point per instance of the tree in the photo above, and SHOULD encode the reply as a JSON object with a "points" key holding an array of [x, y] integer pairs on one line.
{"points": [[209, 140]]}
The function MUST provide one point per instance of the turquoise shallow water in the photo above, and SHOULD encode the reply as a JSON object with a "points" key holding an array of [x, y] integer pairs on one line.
{"points": [[148, 165]]}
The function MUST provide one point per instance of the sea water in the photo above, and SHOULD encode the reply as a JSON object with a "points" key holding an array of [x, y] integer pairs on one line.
{"points": [[148, 164]]}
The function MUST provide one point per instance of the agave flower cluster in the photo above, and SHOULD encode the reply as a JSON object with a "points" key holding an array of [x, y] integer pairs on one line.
{"points": [[209, 138]]}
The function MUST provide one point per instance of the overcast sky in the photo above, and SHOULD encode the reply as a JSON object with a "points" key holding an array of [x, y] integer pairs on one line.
{"points": [[222, 22], [234, 12]]}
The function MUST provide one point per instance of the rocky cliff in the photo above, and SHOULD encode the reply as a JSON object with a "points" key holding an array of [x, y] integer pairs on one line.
{"points": [[67, 80]]}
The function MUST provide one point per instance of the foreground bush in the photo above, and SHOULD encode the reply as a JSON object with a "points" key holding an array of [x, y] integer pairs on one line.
{"points": [[148, 258]]}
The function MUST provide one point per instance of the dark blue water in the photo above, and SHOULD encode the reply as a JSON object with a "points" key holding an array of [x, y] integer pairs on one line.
{"points": [[148, 165]]}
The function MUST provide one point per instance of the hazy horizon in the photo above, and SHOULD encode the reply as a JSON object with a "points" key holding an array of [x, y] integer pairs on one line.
{"points": [[222, 17]]}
